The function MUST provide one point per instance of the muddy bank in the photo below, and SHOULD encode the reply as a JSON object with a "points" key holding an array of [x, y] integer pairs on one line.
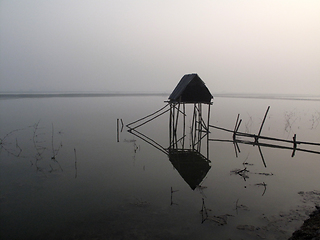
{"points": [[290, 224], [310, 228]]}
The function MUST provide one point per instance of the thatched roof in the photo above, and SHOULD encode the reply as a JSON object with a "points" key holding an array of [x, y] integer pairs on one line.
{"points": [[191, 89]]}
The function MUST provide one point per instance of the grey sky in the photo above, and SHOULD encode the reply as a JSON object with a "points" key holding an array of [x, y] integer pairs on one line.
{"points": [[243, 46]]}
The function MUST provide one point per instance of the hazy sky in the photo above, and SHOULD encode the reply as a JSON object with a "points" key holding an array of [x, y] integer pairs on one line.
{"points": [[236, 46]]}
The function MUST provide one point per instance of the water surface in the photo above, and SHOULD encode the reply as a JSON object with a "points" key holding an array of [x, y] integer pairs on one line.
{"points": [[65, 176]]}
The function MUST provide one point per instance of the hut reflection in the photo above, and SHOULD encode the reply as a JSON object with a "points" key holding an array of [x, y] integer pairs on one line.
{"points": [[191, 165]]}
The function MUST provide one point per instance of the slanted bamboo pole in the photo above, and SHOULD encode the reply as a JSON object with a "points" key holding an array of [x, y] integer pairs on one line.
{"points": [[147, 116], [235, 126], [265, 116], [130, 128]]}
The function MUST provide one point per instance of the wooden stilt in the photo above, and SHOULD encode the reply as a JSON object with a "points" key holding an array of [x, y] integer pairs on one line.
{"points": [[192, 126], [176, 126], [184, 124], [170, 127], [199, 126], [208, 130]]}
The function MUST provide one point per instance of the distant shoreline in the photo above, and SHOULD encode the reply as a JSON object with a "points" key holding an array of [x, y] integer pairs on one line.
{"points": [[116, 94], [271, 96], [60, 95]]}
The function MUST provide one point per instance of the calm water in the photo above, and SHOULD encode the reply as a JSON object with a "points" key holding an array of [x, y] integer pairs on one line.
{"points": [[65, 176]]}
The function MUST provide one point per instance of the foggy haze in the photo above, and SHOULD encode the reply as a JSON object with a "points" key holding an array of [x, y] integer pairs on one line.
{"points": [[147, 46]]}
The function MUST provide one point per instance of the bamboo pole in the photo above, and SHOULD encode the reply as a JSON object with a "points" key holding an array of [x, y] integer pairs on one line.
{"points": [[209, 106], [294, 145], [170, 127], [192, 126], [147, 116], [184, 124], [199, 127], [176, 125], [148, 120], [173, 125], [265, 116]]}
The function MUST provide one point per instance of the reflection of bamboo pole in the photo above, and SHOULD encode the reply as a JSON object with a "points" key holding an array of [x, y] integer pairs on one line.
{"points": [[148, 140], [173, 191], [264, 163], [121, 125], [117, 129], [204, 212], [236, 147], [53, 153], [75, 163]]}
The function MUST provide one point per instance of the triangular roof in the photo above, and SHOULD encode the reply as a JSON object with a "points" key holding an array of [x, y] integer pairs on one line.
{"points": [[191, 89]]}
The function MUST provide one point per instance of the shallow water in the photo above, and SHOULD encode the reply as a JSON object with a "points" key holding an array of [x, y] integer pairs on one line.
{"points": [[65, 176]]}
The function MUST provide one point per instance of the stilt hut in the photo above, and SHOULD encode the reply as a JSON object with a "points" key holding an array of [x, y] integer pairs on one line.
{"points": [[191, 164], [190, 90]]}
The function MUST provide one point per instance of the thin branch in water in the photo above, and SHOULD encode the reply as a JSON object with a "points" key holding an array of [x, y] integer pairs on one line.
{"points": [[315, 119], [242, 173], [75, 163], [204, 212], [53, 152], [264, 185], [17, 146], [173, 191], [241, 206], [246, 163]]}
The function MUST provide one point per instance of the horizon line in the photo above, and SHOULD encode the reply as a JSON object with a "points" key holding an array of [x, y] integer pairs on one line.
{"points": [[11, 95]]}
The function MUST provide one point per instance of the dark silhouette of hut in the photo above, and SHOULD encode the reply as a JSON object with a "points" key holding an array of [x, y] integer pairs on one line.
{"points": [[191, 89]]}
